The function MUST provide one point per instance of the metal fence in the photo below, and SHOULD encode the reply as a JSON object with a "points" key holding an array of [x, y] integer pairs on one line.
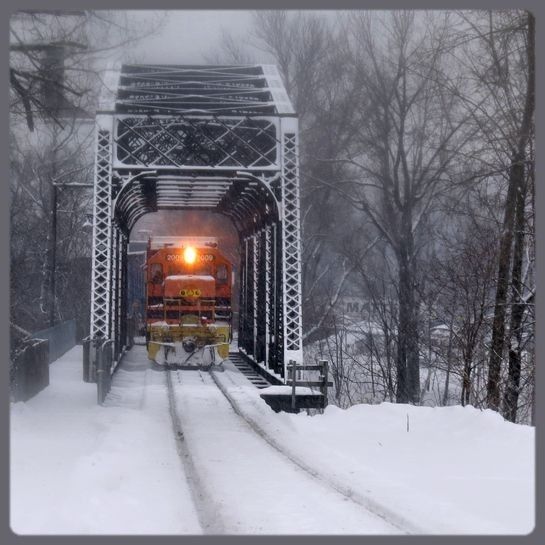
{"points": [[98, 359], [29, 369], [136, 283], [61, 337]]}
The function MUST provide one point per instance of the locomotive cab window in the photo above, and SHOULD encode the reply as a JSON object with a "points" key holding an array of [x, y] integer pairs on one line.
{"points": [[198, 269], [221, 274], [204, 269], [156, 273]]}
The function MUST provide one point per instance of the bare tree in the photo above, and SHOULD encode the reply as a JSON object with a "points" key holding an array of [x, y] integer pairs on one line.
{"points": [[56, 64], [522, 295], [514, 215], [463, 278], [416, 120], [409, 136], [305, 48], [500, 63], [57, 57], [37, 204]]}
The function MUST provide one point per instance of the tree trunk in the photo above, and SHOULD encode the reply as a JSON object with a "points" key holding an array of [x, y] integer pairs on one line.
{"points": [[466, 383], [498, 326], [510, 400], [516, 180], [449, 358], [533, 394], [50, 266], [408, 371], [387, 345], [52, 255]]}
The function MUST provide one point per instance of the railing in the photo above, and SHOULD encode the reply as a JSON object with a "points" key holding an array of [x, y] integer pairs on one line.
{"points": [[322, 383], [99, 364], [104, 369], [89, 356], [61, 337], [29, 369], [29, 366]]}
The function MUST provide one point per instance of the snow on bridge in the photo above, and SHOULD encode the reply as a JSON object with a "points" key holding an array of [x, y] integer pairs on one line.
{"points": [[210, 138]]}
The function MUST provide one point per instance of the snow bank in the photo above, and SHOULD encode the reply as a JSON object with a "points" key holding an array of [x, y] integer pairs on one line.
{"points": [[457, 470], [77, 468], [470, 467]]}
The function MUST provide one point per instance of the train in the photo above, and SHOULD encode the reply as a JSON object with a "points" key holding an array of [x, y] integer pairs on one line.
{"points": [[189, 287]]}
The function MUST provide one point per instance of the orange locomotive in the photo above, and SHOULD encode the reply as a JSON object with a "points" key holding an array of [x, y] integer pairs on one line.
{"points": [[188, 293]]}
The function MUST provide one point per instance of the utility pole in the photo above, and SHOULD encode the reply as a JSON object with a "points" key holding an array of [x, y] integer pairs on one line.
{"points": [[49, 288], [52, 253]]}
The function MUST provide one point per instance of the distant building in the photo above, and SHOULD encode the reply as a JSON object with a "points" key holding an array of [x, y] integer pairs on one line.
{"points": [[352, 307]]}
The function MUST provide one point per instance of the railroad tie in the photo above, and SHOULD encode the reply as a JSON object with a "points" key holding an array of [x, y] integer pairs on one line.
{"points": [[257, 380]]}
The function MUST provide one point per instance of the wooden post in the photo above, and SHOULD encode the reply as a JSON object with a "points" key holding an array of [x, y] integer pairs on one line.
{"points": [[293, 381], [325, 379], [104, 368], [100, 373]]}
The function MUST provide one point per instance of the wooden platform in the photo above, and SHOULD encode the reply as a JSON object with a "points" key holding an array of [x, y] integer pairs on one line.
{"points": [[279, 401], [282, 402]]}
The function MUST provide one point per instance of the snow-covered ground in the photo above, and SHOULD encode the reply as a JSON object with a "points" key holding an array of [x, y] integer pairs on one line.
{"points": [[83, 469], [456, 470], [77, 468]]}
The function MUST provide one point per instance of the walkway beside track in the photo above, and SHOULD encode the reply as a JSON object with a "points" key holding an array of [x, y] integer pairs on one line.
{"points": [[78, 468]]}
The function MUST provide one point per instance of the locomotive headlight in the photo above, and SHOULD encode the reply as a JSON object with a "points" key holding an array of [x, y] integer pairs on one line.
{"points": [[190, 255]]}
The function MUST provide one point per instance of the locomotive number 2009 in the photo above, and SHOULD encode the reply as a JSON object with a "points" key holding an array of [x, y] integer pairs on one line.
{"points": [[195, 292], [201, 257]]}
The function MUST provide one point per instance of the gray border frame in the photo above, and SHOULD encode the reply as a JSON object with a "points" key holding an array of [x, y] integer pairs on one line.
{"points": [[7, 536]]}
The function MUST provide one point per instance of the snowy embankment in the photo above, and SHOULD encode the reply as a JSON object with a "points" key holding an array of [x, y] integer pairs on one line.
{"points": [[77, 468], [247, 487], [442, 470]]}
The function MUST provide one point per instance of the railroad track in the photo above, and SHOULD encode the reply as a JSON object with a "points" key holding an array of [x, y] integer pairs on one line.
{"points": [[209, 519], [201, 482]]}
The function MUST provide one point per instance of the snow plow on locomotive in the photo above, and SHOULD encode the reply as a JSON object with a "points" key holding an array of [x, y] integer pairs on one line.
{"points": [[189, 287]]}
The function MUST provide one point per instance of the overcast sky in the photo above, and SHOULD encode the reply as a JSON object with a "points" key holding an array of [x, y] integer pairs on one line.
{"points": [[188, 35], [186, 38]]}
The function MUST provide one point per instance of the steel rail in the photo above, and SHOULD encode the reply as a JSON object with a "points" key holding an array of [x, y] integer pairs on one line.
{"points": [[390, 517]]}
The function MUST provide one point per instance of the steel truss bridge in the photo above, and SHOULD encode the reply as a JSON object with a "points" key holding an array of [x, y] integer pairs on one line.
{"points": [[215, 138]]}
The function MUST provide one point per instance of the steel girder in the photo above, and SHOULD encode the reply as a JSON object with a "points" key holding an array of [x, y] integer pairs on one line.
{"points": [[155, 150], [102, 233], [109, 259], [226, 142], [291, 244], [172, 89]]}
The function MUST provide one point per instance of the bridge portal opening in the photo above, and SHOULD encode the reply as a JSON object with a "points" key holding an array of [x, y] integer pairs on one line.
{"points": [[178, 225]]}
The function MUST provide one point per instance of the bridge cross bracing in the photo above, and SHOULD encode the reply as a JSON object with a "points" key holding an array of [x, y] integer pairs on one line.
{"points": [[218, 138]]}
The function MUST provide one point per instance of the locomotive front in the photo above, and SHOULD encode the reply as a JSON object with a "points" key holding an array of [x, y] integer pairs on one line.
{"points": [[189, 286]]}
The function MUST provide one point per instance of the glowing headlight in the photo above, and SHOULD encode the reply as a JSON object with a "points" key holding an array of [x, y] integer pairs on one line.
{"points": [[190, 255]]}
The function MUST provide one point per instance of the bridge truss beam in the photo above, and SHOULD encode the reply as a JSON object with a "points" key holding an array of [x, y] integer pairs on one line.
{"points": [[236, 154]]}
